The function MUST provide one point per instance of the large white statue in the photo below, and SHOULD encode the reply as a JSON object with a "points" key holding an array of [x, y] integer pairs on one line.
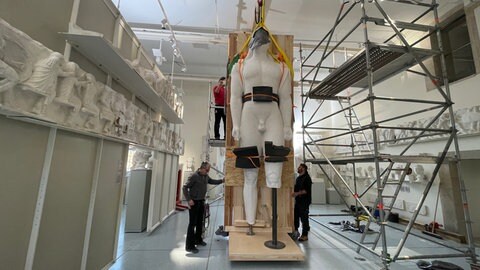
{"points": [[261, 108]]}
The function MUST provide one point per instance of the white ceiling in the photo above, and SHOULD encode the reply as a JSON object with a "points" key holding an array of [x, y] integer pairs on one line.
{"points": [[202, 40]]}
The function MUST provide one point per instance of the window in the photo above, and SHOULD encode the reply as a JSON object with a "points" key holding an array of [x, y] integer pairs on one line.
{"points": [[458, 51]]}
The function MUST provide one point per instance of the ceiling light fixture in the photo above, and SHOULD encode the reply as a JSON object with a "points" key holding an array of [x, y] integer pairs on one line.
{"points": [[164, 24], [176, 51], [159, 58]]}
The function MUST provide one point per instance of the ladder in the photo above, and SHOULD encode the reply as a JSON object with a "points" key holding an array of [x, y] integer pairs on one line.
{"points": [[359, 138], [386, 181]]}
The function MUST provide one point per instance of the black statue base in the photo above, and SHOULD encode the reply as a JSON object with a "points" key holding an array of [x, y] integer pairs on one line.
{"points": [[274, 245]]}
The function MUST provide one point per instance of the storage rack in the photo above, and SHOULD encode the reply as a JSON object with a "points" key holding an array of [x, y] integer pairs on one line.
{"points": [[376, 62]]}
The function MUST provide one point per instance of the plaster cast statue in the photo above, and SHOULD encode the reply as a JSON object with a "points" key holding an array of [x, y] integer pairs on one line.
{"points": [[142, 120], [119, 110], [371, 172], [130, 120], [148, 75], [43, 81], [261, 109], [149, 164], [15, 61], [156, 135], [163, 136], [140, 159], [160, 86], [419, 173], [147, 140], [105, 105], [359, 172], [190, 164], [68, 86], [8, 76], [169, 140], [89, 107], [470, 120], [181, 148]]}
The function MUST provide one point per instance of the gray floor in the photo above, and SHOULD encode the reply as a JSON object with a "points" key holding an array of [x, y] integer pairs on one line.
{"points": [[165, 248]]}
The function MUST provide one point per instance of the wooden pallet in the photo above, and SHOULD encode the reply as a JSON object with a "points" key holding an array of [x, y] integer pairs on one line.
{"points": [[243, 247]]}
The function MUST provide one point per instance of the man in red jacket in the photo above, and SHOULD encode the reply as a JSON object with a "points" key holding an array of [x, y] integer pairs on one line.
{"points": [[219, 95]]}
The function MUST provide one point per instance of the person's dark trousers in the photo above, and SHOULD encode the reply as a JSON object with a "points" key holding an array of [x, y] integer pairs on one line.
{"points": [[219, 115], [195, 224], [301, 214]]}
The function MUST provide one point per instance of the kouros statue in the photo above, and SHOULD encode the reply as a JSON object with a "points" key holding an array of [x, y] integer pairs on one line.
{"points": [[261, 109]]}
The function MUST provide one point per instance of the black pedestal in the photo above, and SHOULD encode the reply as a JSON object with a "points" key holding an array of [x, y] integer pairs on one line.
{"points": [[274, 243]]}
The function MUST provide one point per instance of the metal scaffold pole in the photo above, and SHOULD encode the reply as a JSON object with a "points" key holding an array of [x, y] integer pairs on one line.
{"points": [[372, 64]]}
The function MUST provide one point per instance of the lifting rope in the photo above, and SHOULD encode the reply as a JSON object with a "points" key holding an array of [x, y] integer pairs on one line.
{"points": [[260, 23]]}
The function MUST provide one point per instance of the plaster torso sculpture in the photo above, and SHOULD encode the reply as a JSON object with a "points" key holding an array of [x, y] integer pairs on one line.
{"points": [[254, 122]]}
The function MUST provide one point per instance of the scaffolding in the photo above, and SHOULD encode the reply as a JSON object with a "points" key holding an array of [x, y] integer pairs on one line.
{"points": [[354, 85], [211, 142]]}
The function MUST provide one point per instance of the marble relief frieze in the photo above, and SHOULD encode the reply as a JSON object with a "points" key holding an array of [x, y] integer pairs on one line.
{"points": [[39, 83]]}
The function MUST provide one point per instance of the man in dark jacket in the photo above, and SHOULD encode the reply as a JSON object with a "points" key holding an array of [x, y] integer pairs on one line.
{"points": [[302, 192], [194, 191]]}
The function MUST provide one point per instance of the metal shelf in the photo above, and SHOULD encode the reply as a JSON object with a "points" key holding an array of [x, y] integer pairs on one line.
{"points": [[101, 52], [386, 61], [381, 158]]}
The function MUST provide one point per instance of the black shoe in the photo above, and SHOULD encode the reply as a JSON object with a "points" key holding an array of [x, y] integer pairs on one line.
{"points": [[202, 243], [192, 250]]}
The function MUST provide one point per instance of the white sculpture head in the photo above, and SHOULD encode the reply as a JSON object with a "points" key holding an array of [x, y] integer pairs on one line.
{"points": [[55, 60]]}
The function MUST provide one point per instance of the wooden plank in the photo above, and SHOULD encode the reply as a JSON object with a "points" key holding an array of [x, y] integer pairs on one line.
{"points": [[258, 229], [243, 247], [243, 223]]}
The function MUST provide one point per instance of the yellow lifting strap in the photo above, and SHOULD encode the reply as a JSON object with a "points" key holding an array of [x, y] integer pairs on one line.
{"points": [[260, 23]]}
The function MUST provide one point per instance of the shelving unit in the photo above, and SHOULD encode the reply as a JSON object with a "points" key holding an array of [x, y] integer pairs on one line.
{"points": [[375, 63], [101, 52]]}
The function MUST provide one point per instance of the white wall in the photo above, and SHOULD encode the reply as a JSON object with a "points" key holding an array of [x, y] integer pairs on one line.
{"points": [[195, 119]]}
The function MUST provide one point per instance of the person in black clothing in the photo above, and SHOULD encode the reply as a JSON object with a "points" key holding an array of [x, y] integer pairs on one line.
{"points": [[302, 192], [194, 191]]}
